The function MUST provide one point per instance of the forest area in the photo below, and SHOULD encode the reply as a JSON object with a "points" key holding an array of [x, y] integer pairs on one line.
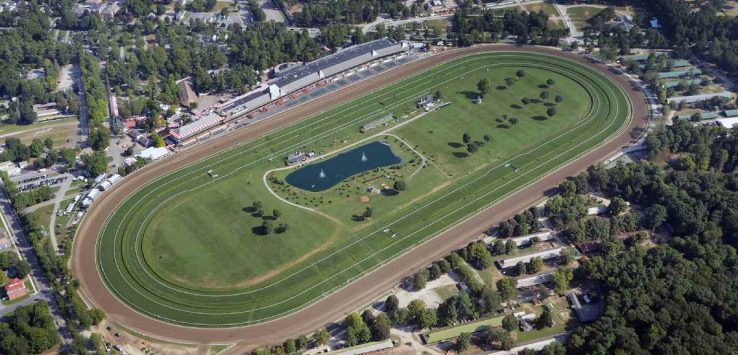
{"points": [[680, 296]]}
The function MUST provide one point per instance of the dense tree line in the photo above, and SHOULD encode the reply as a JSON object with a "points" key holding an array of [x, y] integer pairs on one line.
{"points": [[529, 27], [321, 13], [680, 296]]}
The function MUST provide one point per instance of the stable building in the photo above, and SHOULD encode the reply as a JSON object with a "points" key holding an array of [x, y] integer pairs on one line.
{"points": [[545, 255]]}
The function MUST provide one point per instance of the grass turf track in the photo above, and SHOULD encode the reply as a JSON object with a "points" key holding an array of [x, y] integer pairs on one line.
{"points": [[230, 308]]}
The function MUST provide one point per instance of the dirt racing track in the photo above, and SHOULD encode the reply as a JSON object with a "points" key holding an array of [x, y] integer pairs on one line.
{"points": [[370, 286]]}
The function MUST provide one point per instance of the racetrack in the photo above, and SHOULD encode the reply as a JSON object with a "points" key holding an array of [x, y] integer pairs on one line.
{"points": [[357, 293]]}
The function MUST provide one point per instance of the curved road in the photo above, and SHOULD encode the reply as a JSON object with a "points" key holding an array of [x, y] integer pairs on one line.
{"points": [[370, 286]]}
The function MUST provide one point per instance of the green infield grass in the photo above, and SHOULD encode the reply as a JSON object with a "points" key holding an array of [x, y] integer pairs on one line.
{"points": [[191, 247]]}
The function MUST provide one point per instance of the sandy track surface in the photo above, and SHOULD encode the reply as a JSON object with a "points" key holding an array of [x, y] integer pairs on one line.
{"points": [[370, 286]]}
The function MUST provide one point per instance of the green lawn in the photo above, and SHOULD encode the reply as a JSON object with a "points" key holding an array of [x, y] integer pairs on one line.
{"points": [[452, 332], [43, 215], [445, 292], [547, 8], [580, 14], [187, 239]]}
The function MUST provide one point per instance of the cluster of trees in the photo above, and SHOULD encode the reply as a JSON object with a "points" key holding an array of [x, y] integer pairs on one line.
{"points": [[472, 146], [27, 44], [481, 300], [267, 226], [11, 263], [43, 151], [532, 28], [679, 296], [700, 31], [522, 224], [322, 13], [95, 97], [366, 327], [31, 197], [28, 330]]}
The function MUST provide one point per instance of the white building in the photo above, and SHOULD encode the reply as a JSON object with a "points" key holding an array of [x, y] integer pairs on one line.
{"points": [[727, 122], [153, 153], [10, 168], [545, 254]]}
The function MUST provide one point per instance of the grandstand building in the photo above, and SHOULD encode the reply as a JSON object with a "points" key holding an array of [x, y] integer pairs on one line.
{"points": [[298, 76]]}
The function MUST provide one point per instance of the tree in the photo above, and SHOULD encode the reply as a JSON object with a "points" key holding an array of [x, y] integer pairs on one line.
{"points": [[535, 265], [544, 95], [8, 259], [400, 185], [367, 212], [158, 141], [484, 86], [550, 82], [462, 342], [380, 328], [289, 346], [267, 227], [510, 247], [487, 138], [521, 268], [508, 288], [444, 265], [561, 279], [420, 279], [551, 111], [545, 319], [559, 98], [391, 304], [520, 73], [654, 216], [276, 213], [99, 138], [472, 147], [434, 271], [510, 323], [479, 255], [320, 337], [617, 206], [357, 330], [568, 255], [428, 318], [437, 95], [301, 342], [466, 138], [37, 148], [415, 310], [256, 205], [22, 269]]}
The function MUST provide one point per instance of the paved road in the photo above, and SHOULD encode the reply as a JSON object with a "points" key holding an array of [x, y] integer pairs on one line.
{"points": [[26, 250], [363, 290]]}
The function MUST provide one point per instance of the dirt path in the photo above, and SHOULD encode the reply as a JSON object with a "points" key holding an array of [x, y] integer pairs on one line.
{"points": [[366, 288]]}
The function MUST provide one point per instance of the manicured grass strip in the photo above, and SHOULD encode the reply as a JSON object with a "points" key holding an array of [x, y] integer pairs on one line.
{"points": [[452, 332]]}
